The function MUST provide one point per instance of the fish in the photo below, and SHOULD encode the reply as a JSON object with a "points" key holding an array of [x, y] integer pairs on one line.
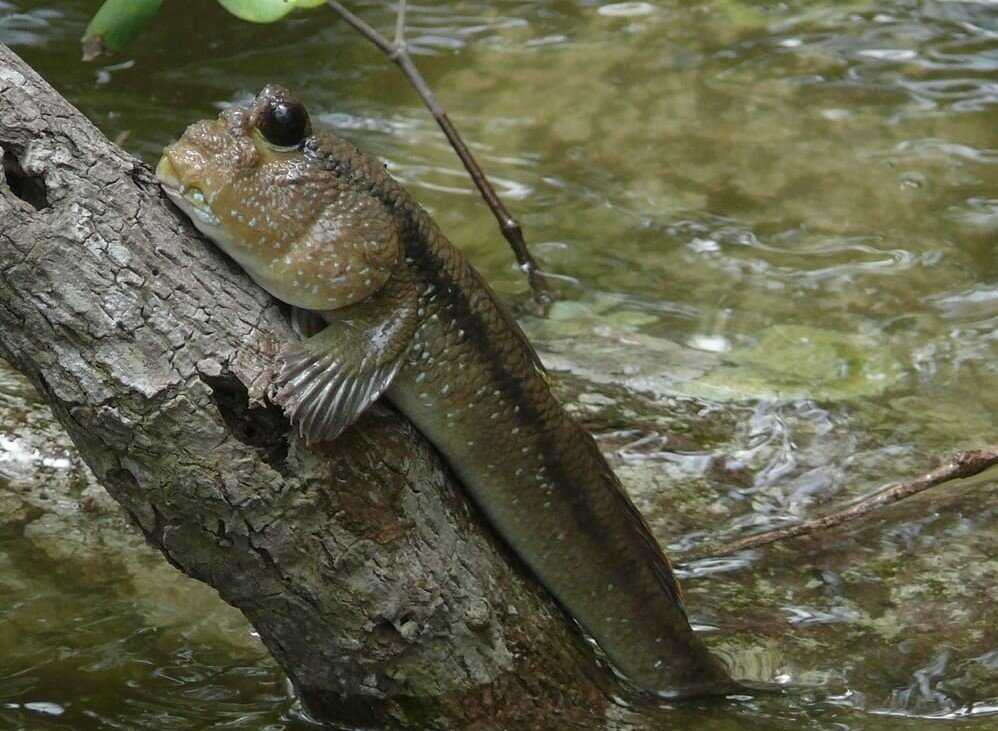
{"points": [[388, 307]]}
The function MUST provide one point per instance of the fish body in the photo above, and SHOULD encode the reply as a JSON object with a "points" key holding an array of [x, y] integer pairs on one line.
{"points": [[324, 228]]}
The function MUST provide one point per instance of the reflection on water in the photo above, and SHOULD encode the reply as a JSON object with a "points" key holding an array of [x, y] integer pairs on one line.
{"points": [[801, 193]]}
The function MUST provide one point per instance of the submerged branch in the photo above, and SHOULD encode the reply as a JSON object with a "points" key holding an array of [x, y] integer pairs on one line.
{"points": [[961, 465], [398, 52]]}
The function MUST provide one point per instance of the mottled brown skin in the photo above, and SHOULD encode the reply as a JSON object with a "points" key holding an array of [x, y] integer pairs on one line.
{"points": [[398, 296]]}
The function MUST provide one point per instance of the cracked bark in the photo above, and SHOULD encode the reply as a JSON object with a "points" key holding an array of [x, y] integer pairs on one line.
{"points": [[370, 580]]}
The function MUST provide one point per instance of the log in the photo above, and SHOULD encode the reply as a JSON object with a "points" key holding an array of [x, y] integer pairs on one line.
{"points": [[369, 577]]}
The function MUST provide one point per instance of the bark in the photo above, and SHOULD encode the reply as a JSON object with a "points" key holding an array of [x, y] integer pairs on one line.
{"points": [[369, 578]]}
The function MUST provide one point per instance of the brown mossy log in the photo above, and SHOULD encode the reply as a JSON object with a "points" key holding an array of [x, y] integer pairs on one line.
{"points": [[361, 565]]}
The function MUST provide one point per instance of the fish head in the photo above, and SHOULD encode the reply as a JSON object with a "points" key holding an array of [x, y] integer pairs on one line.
{"points": [[258, 183]]}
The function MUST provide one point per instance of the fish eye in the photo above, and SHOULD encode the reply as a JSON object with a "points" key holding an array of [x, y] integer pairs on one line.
{"points": [[284, 122]]}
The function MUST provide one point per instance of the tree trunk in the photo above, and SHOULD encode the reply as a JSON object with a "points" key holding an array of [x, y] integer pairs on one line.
{"points": [[369, 578]]}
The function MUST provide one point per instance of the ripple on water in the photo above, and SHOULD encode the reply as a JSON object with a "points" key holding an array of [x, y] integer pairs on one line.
{"points": [[733, 167], [36, 27], [626, 10]]}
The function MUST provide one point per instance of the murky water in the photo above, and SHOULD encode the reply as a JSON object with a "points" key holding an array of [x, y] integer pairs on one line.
{"points": [[802, 195]]}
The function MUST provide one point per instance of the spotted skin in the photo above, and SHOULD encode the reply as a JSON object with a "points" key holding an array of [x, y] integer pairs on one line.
{"points": [[325, 228]]}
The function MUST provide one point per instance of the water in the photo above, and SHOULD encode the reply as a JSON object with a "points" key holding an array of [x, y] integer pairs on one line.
{"points": [[792, 204]]}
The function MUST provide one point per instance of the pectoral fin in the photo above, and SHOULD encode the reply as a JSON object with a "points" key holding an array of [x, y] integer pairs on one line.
{"points": [[328, 380]]}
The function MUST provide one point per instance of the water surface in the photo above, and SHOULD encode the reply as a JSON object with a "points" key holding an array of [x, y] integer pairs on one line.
{"points": [[801, 198]]}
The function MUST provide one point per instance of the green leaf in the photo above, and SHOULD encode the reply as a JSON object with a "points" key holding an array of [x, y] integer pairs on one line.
{"points": [[116, 24], [265, 11]]}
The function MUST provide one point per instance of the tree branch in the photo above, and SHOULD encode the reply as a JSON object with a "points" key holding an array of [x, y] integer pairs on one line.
{"points": [[398, 52], [358, 562], [960, 465]]}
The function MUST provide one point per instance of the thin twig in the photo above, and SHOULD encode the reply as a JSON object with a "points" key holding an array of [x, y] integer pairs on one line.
{"points": [[400, 23], [960, 465], [398, 52]]}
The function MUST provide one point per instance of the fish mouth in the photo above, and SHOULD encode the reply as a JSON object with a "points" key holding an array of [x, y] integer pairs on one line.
{"points": [[189, 198]]}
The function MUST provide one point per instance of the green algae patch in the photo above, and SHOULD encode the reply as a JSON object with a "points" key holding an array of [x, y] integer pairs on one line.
{"points": [[577, 317], [796, 361]]}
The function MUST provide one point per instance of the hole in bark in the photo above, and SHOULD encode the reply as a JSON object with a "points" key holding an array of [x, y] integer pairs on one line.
{"points": [[384, 640], [29, 188], [266, 429]]}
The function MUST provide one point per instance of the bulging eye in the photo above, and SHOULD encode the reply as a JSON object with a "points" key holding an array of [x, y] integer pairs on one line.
{"points": [[284, 122]]}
